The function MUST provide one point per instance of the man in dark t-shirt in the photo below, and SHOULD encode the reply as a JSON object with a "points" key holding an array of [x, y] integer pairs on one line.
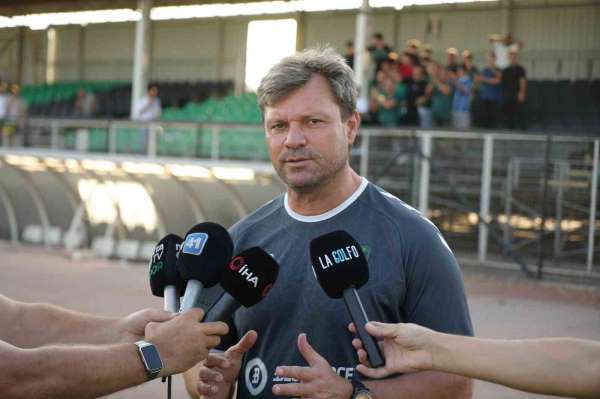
{"points": [[379, 51], [514, 86], [415, 90], [295, 342]]}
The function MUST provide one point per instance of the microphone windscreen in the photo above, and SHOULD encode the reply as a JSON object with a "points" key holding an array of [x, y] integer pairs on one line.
{"points": [[163, 265], [250, 276], [204, 254], [338, 262]]}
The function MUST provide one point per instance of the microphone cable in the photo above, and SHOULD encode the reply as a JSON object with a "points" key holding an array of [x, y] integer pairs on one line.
{"points": [[168, 380]]}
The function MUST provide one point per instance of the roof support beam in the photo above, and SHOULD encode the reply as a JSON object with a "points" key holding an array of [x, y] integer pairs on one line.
{"points": [[141, 53]]}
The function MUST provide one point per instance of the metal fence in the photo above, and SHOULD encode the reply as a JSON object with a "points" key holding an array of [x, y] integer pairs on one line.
{"points": [[510, 198], [523, 198]]}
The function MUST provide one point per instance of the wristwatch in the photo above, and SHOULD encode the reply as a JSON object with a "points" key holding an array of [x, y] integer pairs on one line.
{"points": [[150, 358], [359, 390]]}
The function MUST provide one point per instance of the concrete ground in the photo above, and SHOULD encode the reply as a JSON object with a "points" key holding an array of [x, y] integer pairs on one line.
{"points": [[502, 306]]}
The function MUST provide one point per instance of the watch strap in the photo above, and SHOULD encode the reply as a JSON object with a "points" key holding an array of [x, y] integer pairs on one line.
{"points": [[359, 390], [152, 370]]}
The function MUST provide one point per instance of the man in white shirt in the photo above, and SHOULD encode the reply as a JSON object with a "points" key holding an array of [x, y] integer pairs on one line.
{"points": [[3, 100], [501, 46], [148, 108]]}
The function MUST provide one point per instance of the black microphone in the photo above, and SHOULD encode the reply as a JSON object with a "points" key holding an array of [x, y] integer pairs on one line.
{"points": [[247, 280], [341, 267], [203, 256], [165, 280]]}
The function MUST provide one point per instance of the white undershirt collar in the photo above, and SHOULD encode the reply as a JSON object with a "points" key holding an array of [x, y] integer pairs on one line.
{"points": [[330, 213]]}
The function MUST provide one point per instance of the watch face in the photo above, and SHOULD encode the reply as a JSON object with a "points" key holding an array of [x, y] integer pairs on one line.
{"points": [[152, 359], [363, 395]]}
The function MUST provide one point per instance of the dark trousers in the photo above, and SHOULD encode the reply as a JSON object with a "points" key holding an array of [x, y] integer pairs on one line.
{"points": [[514, 116], [488, 114]]}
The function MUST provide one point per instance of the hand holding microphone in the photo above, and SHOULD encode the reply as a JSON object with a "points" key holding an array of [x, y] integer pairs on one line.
{"points": [[341, 267], [407, 348], [203, 256], [181, 341]]}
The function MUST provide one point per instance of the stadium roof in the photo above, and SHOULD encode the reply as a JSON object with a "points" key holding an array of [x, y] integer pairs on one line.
{"points": [[20, 7], [9, 8]]}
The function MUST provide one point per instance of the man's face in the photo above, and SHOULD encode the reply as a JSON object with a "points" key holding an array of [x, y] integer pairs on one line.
{"points": [[307, 139], [418, 74], [442, 74], [512, 56]]}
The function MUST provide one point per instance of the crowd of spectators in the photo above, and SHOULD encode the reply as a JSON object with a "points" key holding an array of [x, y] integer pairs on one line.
{"points": [[411, 88]]}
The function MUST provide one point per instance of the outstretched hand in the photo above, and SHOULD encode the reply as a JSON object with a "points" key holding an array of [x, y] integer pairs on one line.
{"points": [[317, 381], [406, 348], [218, 373]]}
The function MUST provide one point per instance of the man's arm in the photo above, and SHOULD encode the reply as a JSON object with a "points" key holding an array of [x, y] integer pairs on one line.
{"points": [[92, 371], [68, 372], [496, 80], [552, 366], [29, 325], [522, 89]]}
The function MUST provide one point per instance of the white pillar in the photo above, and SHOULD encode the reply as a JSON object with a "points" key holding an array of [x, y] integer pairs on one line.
{"points": [[484, 198], [360, 43], [506, 17], [593, 202], [141, 54], [424, 175]]}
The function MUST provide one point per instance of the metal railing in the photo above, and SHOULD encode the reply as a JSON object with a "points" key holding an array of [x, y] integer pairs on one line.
{"points": [[496, 194], [481, 177]]}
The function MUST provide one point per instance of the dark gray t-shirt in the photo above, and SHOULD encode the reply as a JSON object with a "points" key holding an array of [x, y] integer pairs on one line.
{"points": [[413, 277]]}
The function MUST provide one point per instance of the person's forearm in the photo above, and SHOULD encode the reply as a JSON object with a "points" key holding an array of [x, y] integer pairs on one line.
{"points": [[523, 87], [422, 385], [70, 372], [558, 366], [47, 324], [445, 89]]}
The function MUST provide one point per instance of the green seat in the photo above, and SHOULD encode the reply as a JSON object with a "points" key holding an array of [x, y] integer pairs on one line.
{"points": [[131, 140], [98, 140], [177, 142]]}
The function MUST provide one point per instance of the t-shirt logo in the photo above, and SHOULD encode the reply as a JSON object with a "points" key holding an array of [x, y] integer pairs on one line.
{"points": [[255, 376], [366, 250]]}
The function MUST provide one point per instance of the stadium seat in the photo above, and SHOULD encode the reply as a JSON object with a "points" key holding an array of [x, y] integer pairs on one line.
{"points": [[127, 249], [74, 239], [146, 250], [33, 234], [103, 246], [52, 236]]}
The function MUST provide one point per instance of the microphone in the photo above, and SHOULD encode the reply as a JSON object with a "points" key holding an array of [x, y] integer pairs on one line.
{"points": [[247, 280], [165, 280], [341, 267], [203, 256]]}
